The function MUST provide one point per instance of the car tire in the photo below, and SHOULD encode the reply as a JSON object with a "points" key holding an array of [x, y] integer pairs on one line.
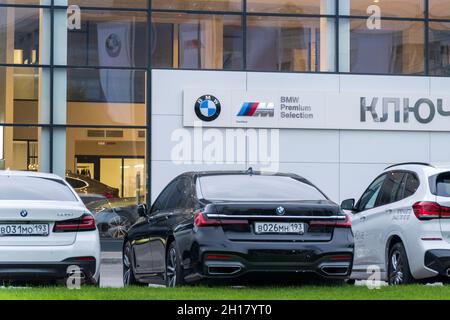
{"points": [[174, 274], [129, 278], [398, 266]]}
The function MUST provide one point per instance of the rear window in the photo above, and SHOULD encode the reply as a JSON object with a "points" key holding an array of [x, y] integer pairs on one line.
{"points": [[443, 185], [257, 188], [34, 189]]}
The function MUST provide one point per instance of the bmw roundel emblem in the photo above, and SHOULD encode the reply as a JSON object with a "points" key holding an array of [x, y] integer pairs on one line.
{"points": [[281, 211], [23, 213], [207, 108]]}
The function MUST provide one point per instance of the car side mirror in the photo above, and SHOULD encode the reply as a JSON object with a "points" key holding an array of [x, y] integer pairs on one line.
{"points": [[142, 210], [348, 204]]}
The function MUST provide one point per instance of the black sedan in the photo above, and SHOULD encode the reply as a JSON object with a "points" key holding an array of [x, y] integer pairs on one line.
{"points": [[226, 225]]}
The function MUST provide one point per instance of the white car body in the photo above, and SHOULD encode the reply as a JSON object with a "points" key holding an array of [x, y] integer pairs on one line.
{"points": [[49, 255], [377, 229]]}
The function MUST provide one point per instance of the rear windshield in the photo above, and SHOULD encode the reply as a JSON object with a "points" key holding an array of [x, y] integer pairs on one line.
{"points": [[34, 189], [443, 185], [257, 188]]}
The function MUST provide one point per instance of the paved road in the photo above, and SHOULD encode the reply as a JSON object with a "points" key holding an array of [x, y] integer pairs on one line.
{"points": [[111, 270]]}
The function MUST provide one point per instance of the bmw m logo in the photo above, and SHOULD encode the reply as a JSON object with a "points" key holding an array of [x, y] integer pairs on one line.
{"points": [[207, 108], [281, 211], [23, 213]]}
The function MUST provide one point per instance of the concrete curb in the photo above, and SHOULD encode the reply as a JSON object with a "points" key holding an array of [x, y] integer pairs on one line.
{"points": [[111, 257]]}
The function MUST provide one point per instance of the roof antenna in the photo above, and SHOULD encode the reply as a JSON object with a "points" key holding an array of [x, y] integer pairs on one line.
{"points": [[250, 171]]}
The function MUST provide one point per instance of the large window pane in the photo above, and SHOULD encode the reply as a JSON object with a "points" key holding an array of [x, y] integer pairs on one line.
{"points": [[397, 48], [21, 148], [292, 6], [105, 97], [19, 35], [439, 9], [22, 100], [206, 5], [197, 41], [106, 38], [107, 167], [290, 44], [439, 63], [389, 8]]}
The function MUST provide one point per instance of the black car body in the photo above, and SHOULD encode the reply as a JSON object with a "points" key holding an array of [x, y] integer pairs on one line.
{"points": [[204, 225]]}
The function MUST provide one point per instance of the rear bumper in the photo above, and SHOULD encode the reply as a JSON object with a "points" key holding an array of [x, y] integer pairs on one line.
{"points": [[50, 260], [238, 266], [438, 260], [232, 259], [40, 271]]}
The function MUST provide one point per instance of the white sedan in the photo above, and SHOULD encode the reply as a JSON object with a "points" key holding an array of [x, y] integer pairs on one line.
{"points": [[46, 232]]}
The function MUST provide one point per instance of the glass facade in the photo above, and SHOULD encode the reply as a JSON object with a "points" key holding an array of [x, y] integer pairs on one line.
{"points": [[74, 74]]}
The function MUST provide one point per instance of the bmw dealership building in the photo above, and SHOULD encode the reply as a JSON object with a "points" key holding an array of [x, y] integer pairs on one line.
{"points": [[132, 93]]}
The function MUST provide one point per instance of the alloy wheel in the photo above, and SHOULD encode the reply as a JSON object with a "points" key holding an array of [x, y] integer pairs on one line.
{"points": [[171, 272], [126, 266], [396, 275], [118, 226]]}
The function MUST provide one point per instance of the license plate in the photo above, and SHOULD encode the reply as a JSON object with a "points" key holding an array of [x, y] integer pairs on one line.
{"points": [[22, 230], [279, 228]]}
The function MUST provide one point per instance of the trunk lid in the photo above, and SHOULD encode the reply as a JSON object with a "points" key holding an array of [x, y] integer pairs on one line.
{"points": [[317, 218], [39, 212]]}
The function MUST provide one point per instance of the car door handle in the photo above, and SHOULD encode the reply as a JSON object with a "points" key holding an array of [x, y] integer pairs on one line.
{"points": [[389, 211], [363, 218]]}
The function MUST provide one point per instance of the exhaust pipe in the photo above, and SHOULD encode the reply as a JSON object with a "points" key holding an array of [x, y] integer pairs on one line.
{"points": [[224, 270], [331, 270]]}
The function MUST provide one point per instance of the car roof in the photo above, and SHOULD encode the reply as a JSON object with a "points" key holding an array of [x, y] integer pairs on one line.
{"points": [[240, 172], [12, 173], [427, 168]]}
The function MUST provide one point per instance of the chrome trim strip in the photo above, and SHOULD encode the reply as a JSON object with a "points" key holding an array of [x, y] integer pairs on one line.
{"points": [[225, 216]]}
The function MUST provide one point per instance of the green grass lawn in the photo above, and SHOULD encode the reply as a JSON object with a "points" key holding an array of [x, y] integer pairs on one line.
{"points": [[413, 292]]}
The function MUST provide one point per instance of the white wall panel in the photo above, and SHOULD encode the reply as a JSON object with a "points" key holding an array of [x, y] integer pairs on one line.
{"points": [[383, 146], [293, 81], [384, 84]]}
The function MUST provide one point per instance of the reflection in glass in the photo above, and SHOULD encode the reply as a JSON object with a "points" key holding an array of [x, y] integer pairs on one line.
{"points": [[439, 35], [398, 48], [204, 5], [290, 44], [106, 97], [107, 168], [20, 148], [197, 41], [390, 8], [439, 9], [113, 39], [19, 35], [292, 6], [19, 96], [134, 4]]}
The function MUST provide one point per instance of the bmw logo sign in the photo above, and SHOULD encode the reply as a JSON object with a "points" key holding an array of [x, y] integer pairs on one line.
{"points": [[281, 211], [113, 45], [207, 108], [23, 213]]}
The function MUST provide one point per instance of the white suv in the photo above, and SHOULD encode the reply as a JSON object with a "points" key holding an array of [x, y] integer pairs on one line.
{"points": [[401, 225]]}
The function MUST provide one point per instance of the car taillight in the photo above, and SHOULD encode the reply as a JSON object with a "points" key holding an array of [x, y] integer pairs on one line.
{"points": [[108, 195], [335, 223], [202, 221], [430, 210], [84, 223]]}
